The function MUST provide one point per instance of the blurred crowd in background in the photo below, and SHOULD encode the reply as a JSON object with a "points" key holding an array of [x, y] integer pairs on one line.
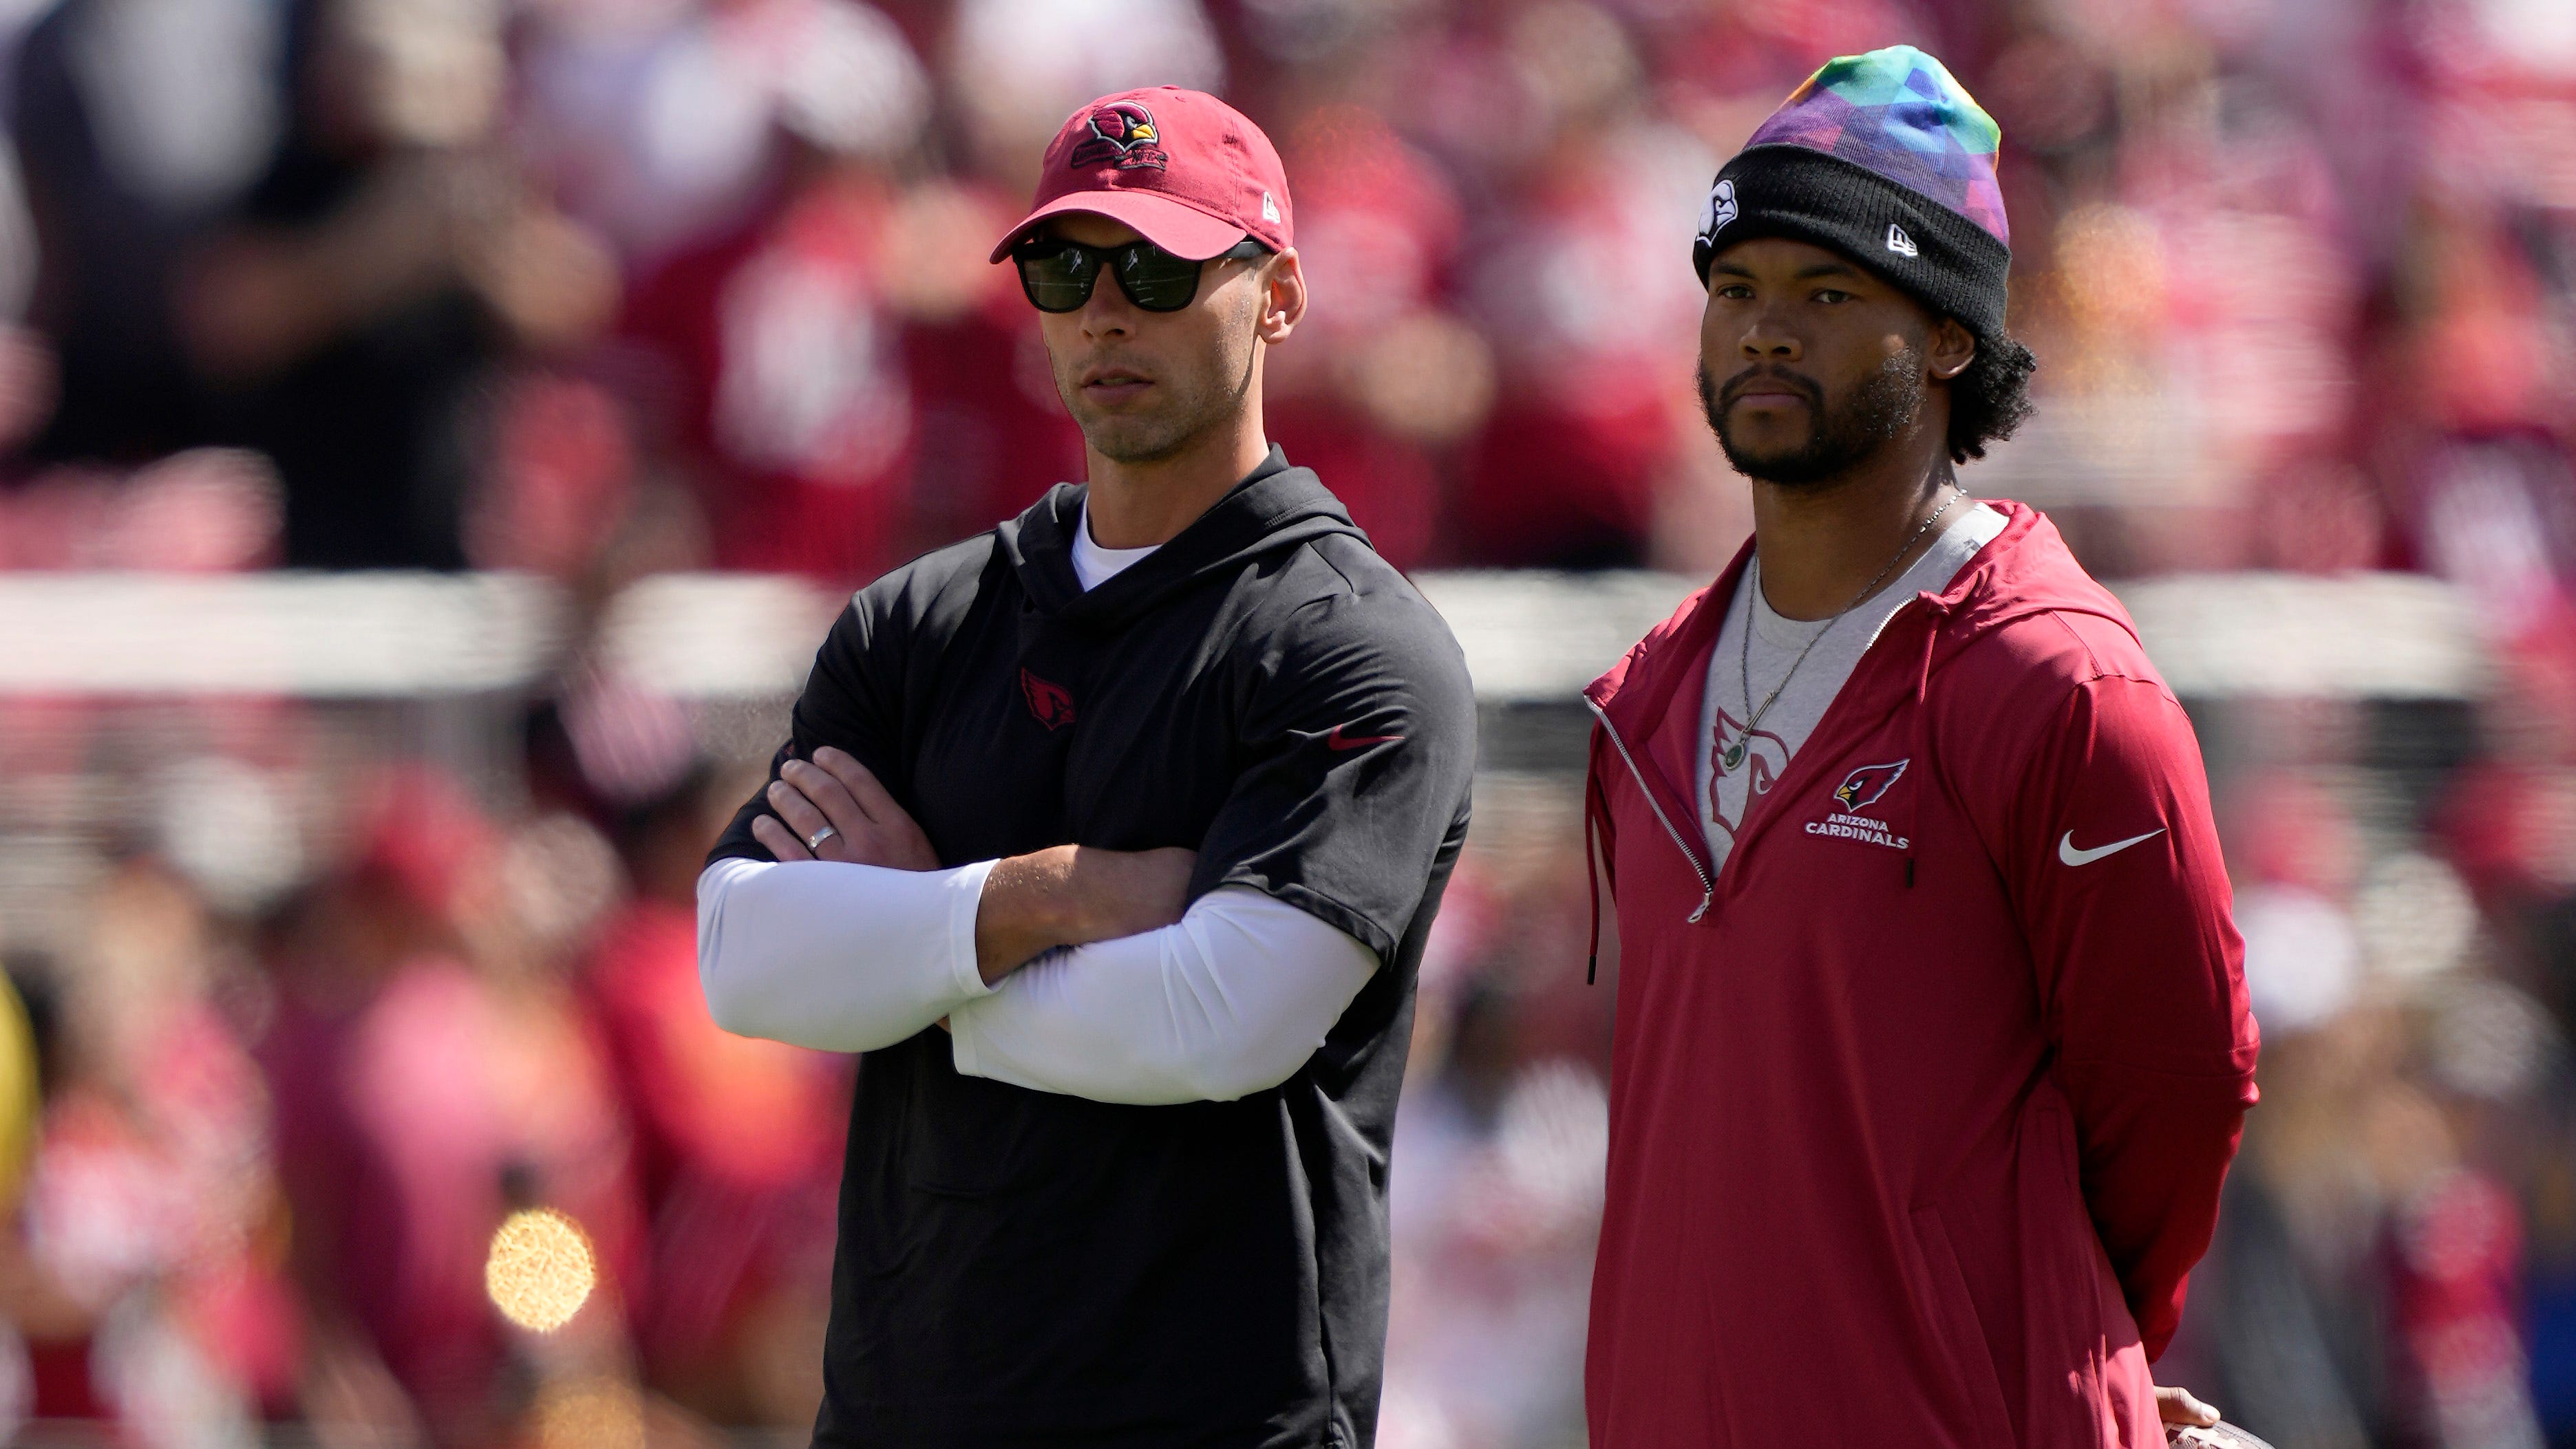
{"points": [[596, 289]]}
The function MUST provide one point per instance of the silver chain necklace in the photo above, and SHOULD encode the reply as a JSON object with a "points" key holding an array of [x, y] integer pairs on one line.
{"points": [[1734, 756]]}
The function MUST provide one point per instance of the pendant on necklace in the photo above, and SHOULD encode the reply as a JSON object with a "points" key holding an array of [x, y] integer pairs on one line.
{"points": [[1733, 757]]}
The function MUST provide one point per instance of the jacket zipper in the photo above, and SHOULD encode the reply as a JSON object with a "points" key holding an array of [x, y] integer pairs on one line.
{"points": [[1707, 887]]}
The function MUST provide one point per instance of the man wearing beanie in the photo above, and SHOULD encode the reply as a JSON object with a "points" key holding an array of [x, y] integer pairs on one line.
{"points": [[1112, 836], [1933, 1044]]}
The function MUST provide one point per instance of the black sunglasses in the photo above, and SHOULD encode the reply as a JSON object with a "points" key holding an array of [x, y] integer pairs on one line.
{"points": [[1058, 275]]}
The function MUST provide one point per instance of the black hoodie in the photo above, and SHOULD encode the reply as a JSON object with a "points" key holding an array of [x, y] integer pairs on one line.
{"points": [[1020, 1267]]}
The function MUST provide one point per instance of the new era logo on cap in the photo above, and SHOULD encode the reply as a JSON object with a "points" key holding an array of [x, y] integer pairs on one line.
{"points": [[1899, 243], [1269, 208]]}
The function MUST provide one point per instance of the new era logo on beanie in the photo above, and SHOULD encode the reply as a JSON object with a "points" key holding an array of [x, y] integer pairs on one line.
{"points": [[1885, 158]]}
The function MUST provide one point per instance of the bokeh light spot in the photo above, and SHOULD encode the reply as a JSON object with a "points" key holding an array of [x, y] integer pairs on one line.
{"points": [[599, 1413], [541, 1270]]}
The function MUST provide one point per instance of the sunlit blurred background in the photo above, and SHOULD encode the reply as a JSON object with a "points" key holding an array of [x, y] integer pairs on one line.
{"points": [[437, 433]]}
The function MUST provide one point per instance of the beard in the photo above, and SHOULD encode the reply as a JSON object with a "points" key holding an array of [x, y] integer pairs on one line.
{"points": [[1884, 405]]}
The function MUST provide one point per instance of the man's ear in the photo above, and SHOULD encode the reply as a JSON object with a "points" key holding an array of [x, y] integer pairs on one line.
{"points": [[1953, 348], [1283, 297]]}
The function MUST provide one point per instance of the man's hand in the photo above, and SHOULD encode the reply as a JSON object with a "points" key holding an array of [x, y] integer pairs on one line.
{"points": [[1066, 895], [1072, 895], [868, 827], [2177, 1406]]}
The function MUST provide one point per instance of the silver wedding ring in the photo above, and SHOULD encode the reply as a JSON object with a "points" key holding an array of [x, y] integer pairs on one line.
{"points": [[815, 840]]}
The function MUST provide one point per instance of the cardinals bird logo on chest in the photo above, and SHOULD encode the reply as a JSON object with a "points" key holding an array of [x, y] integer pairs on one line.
{"points": [[1860, 790], [1050, 703]]}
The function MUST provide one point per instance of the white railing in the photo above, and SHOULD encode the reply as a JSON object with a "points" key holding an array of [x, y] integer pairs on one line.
{"points": [[1529, 636]]}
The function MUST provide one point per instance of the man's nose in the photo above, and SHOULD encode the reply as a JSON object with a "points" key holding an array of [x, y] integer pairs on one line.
{"points": [[1767, 342], [1108, 313]]}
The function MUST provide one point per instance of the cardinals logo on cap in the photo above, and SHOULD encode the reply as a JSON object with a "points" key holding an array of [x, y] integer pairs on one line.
{"points": [[1123, 134]]}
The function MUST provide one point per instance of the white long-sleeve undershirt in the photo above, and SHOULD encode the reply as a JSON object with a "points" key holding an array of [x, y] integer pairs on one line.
{"points": [[838, 957], [1229, 1001]]}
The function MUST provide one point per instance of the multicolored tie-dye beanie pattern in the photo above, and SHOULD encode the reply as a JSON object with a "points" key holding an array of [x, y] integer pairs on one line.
{"points": [[1885, 158], [1898, 112]]}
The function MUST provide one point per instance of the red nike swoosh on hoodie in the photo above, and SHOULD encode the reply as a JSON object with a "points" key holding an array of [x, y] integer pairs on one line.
{"points": [[1339, 741]]}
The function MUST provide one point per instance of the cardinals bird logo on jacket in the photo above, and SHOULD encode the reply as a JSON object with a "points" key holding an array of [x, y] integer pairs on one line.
{"points": [[1859, 790], [1051, 703]]}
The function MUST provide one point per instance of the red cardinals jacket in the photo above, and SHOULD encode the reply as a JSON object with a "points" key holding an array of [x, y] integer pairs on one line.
{"points": [[1919, 1108]]}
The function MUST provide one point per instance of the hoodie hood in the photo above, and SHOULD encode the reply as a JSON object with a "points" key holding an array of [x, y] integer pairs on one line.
{"points": [[1647, 703], [1275, 508], [2024, 570]]}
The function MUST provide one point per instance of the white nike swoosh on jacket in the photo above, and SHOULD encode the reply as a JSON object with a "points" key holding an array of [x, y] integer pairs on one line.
{"points": [[2067, 852]]}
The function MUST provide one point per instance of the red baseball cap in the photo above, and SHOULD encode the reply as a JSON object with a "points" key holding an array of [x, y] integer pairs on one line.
{"points": [[1183, 168]]}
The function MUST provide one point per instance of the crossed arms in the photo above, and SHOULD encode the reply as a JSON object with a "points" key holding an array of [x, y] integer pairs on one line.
{"points": [[1071, 969]]}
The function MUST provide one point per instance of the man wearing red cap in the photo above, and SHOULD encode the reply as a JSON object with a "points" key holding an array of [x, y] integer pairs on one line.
{"points": [[1147, 797]]}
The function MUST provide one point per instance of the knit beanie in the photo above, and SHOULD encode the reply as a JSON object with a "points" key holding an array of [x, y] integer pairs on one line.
{"points": [[1884, 158]]}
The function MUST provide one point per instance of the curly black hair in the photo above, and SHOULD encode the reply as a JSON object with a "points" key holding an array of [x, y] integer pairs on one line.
{"points": [[1991, 398]]}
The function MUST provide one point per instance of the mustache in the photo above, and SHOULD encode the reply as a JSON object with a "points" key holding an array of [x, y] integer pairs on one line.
{"points": [[1742, 382]]}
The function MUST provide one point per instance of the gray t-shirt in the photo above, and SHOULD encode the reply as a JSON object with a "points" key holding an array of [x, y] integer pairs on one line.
{"points": [[1721, 796]]}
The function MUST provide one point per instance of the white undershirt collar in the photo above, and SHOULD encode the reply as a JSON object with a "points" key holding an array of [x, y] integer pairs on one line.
{"points": [[1094, 565]]}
